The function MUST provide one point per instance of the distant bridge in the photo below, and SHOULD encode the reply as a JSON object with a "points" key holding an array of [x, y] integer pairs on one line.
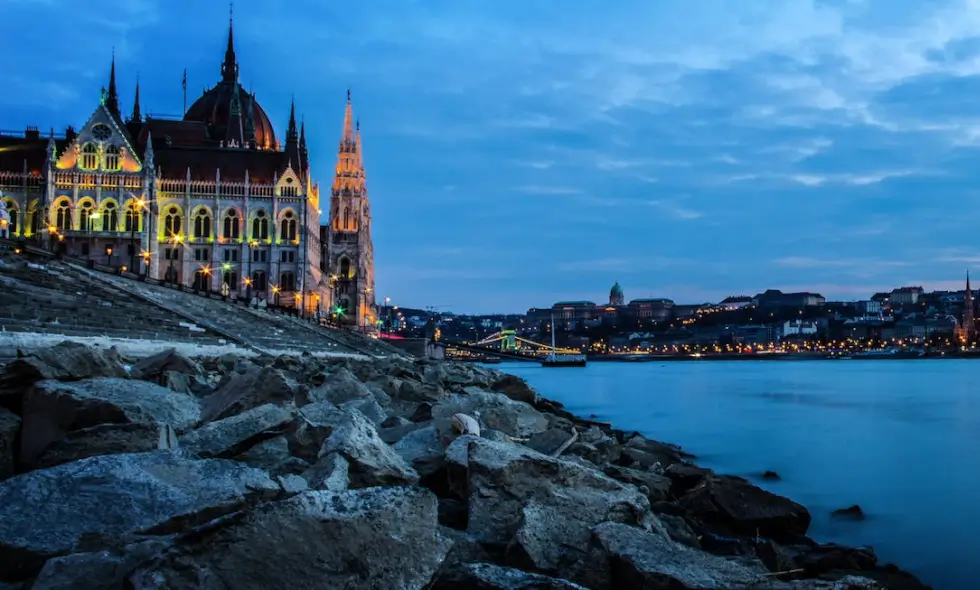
{"points": [[505, 344]]}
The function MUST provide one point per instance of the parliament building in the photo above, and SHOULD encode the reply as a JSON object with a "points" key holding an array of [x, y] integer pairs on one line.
{"points": [[214, 200]]}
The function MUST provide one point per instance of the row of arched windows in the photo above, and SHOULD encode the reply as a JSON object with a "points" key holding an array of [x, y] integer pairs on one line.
{"points": [[91, 219], [111, 159], [230, 226], [260, 282]]}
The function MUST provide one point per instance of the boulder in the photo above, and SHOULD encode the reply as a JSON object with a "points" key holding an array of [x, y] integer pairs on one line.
{"points": [[552, 442], [53, 408], [45, 513], [339, 386], [515, 388], [732, 505], [314, 424], [657, 486], [372, 538], [372, 461], [424, 450], [369, 407], [155, 368], [95, 570], [232, 435], [496, 411], [330, 472], [273, 456], [629, 557], [107, 439], [244, 391], [543, 508], [9, 431], [486, 576], [66, 361]]}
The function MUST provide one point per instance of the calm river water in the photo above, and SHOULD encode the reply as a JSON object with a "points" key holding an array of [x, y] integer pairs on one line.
{"points": [[900, 438]]}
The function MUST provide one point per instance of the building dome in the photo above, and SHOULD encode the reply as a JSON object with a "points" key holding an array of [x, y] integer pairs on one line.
{"points": [[616, 296], [214, 109]]}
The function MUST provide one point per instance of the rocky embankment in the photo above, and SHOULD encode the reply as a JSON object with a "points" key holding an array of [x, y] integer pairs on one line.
{"points": [[294, 472]]}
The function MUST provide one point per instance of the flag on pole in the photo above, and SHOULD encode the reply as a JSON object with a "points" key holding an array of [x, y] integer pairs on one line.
{"points": [[184, 83]]}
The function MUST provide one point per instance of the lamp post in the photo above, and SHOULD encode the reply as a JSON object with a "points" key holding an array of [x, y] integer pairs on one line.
{"points": [[145, 254], [108, 253], [387, 315], [92, 218], [248, 271], [275, 292], [135, 215], [175, 241]]}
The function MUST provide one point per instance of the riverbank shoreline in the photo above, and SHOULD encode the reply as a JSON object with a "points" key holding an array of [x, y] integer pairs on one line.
{"points": [[352, 472]]}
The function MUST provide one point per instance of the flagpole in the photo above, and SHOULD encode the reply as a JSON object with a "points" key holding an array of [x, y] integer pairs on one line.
{"points": [[184, 84]]}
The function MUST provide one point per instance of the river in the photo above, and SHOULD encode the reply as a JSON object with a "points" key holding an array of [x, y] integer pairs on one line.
{"points": [[899, 438]]}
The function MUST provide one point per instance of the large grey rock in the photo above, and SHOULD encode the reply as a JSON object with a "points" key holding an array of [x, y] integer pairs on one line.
{"points": [[330, 472], [375, 538], [155, 368], [45, 513], [371, 409], [52, 409], [66, 361], [244, 391], [372, 461], [515, 388], [495, 410], [273, 456], [423, 449], [734, 506], [232, 435], [339, 387], [629, 557], [486, 576], [553, 442], [314, 424], [9, 431], [107, 439], [544, 508], [96, 570]]}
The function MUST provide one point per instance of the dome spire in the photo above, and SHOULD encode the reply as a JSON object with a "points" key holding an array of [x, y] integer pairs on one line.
{"points": [[229, 68], [112, 98]]}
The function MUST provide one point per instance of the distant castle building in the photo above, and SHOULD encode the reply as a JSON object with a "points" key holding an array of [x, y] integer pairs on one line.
{"points": [[212, 200], [616, 297]]}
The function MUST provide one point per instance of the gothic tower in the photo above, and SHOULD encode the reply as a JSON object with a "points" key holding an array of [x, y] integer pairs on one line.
{"points": [[350, 251], [969, 326]]}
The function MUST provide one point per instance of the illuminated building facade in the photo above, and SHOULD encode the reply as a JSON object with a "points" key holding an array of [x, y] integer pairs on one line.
{"points": [[348, 251], [212, 200]]}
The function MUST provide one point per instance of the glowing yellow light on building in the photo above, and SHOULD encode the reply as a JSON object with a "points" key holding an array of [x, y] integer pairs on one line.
{"points": [[275, 289], [226, 266], [206, 269], [122, 268], [52, 228], [247, 282]]}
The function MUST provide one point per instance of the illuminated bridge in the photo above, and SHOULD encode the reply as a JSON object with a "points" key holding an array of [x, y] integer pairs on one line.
{"points": [[504, 344]]}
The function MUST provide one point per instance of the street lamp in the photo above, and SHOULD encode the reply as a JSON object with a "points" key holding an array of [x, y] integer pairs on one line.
{"points": [[175, 241], [92, 218], [248, 271], [145, 254], [275, 291], [387, 315], [135, 215]]}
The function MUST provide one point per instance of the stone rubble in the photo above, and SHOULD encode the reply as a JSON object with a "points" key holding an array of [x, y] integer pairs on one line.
{"points": [[168, 472]]}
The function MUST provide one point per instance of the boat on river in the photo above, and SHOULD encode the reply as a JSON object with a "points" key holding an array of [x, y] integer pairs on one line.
{"points": [[554, 359]]}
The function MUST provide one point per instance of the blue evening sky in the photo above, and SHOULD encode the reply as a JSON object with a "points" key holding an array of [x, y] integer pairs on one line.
{"points": [[521, 152]]}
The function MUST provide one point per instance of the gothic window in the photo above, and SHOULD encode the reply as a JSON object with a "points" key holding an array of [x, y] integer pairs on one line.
{"points": [[64, 216], [231, 278], [110, 217], [170, 276], [112, 162], [288, 229], [347, 224], [101, 131], [231, 226], [287, 281], [260, 226], [85, 217], [13, 219], [90, 157], [259, 280], [171, 223], [133, 218], [202, 224], [200, 280], [345, 271]]}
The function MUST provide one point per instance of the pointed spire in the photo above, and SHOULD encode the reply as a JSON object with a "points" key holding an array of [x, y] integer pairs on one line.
{"points": [[304, 155], [148, 164], [348, 121], [112, 98], [302, 135], [229, 68], [291, 134], [250, 121], [137, 115]]}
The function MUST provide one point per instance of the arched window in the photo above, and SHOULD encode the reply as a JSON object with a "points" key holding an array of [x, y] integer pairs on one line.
{"points": [[260, 226], [231, 278], [33, 218], [90, 157], [288, 229], [112, 161], [64, 216], [259, 280], [133, 215], [12, 211], [171, 223], [202, 224], [110, 217], [347, 224], [345, 268], [85, 217], [202, 280], [287, 281], [231, 226]]}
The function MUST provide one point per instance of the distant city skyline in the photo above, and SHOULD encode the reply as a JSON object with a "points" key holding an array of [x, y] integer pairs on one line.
{"points": [[520, 154]]}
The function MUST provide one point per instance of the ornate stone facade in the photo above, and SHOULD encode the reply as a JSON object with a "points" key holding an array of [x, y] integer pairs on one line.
{"points": [[207, 200], [348, 251]]}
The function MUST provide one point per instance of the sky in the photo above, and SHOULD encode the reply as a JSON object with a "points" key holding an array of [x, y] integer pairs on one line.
{"points": [[522, 152]]}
